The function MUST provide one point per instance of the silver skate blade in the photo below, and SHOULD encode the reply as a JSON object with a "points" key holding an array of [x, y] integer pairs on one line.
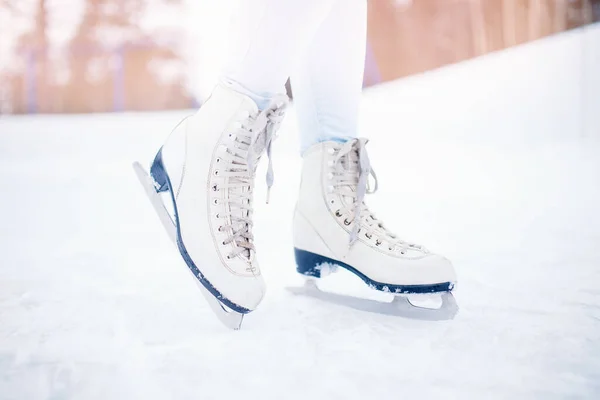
{"points": [[429, 301], [399, 307], [163, 214], [229, 318]]}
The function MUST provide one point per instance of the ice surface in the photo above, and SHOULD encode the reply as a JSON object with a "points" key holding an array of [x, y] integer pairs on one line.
{"points": [[494, 163]]}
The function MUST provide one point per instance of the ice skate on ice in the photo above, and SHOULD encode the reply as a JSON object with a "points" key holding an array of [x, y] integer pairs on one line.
{"points": [[427, 307], [201, 186], [334, 227]]}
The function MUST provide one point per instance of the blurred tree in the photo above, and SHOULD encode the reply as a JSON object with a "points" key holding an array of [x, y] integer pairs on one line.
{"points": [[7, 5], [41, 68], [26, 83], [115, 64], [7, 80]]}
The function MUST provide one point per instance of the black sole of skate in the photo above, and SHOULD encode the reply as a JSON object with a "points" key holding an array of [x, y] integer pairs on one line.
{"points": [[404, 304], [309, 264]]}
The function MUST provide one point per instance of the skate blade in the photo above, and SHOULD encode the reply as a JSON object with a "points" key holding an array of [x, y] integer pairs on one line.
{"points": [[400, 306], [229, 318], [157, 203], [429, 301]]}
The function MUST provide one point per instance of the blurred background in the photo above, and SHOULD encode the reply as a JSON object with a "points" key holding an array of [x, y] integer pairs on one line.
{"points": [[82, 56]]}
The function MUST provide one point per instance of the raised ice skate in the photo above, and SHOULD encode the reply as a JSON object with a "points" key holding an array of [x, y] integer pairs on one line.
{"points": [[201, 185]]}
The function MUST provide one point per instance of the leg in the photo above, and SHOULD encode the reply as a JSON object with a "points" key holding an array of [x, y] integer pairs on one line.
{"points": [[332, 223], [205, 171], [327, 84], [269, 36]]}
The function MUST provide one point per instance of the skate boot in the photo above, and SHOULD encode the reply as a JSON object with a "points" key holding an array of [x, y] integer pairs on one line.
{"points": [[334, 227], [206, 171]]}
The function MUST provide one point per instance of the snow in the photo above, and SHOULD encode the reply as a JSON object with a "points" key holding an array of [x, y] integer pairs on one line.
{"points": [[493, 163]]}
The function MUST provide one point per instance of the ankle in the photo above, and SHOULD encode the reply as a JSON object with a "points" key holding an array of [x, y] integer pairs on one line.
{"points": [[261, 99]]}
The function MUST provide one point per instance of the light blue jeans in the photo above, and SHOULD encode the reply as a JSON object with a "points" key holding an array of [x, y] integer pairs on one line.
{"points": [[319, 44]]}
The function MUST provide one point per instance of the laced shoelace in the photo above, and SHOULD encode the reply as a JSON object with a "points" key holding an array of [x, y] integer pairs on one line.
{"points": [[254, 136], [271, 118], [352, 168]]}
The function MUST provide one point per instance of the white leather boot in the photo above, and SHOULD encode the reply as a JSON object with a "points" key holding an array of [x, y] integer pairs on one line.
{"points": [[333, 226], [207, 168]]}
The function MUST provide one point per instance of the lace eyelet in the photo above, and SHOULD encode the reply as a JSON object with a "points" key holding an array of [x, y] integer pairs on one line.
{"points": [[215, 202], [337, 213], [332, 201], [223, 243], [216, 172], [378, 242], [402, 252], [214, 188], [346, 222], [368, 235], [389, 248], [220, 229], [228, 257], [218, 159]]}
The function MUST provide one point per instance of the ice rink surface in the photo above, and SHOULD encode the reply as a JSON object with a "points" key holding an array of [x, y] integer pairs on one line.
{"points": [[494, 163]]}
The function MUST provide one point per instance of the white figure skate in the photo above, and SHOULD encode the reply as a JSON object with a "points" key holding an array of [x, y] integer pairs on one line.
{"points": [[201, 185], [334, 228]]}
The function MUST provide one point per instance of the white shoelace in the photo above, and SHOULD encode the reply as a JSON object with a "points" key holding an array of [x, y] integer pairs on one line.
{"points": [[352, 168], [254, 136], [271, 119]]}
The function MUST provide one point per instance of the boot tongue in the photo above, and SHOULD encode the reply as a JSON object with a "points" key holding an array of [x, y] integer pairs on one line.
{"points": [[240, 194], [354, 169], [248, 147], [350, 164]]}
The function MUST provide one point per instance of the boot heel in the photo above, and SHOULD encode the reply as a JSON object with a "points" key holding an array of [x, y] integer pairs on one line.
{"points": [[308, 263], [158, 173], [314, 265]]}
